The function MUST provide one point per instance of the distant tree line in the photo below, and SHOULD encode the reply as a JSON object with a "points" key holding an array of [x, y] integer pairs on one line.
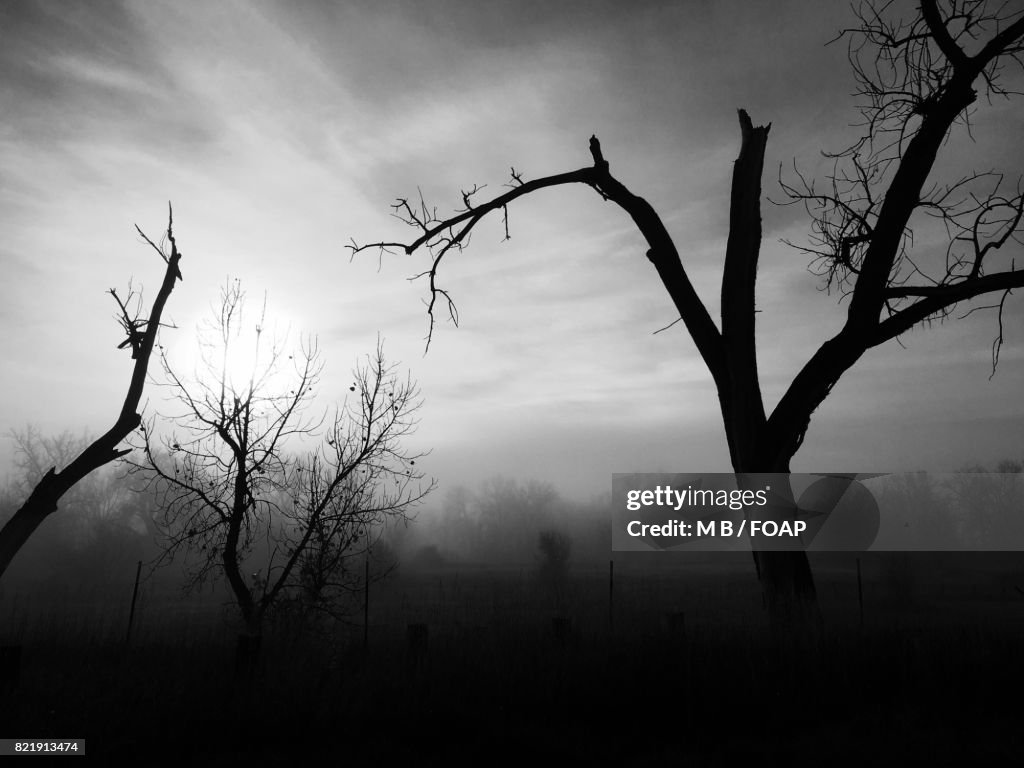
{"points": [[506, 521]]}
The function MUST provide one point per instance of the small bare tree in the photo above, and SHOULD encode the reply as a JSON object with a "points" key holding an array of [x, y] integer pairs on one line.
{"points": [[917, 79], [272, 499], [141, 332]]}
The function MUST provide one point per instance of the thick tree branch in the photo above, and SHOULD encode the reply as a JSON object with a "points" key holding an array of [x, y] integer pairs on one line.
{"points": [[666, 260], [1008, 41], [917, 94], [444, 235], [938, 298], [937, 28], [901, 199], [939, 89], [44, 497], [743, 407], [791, 417]]}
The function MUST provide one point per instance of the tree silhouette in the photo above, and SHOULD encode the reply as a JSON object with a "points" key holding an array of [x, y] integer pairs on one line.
{"points": [[917, 79], [266, 496], [141, 337]]}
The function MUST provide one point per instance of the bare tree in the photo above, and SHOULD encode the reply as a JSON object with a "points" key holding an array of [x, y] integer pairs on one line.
{"points": [[141, 332], [270, 498], [918, 79]]}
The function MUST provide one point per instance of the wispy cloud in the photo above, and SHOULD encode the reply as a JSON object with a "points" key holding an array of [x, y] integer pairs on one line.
{"points": [[282, 130]]}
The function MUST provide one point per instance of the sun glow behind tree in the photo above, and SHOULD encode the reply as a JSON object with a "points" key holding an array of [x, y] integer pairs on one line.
{"points": [[241, 352], [261, 488]]}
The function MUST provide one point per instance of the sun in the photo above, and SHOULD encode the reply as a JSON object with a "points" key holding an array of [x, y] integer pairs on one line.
{"points": [[242, 361], [239, 352], [257, 360]]}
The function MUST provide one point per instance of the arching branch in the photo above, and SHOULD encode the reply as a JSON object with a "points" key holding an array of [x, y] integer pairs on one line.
{"points": [[442, 236]]}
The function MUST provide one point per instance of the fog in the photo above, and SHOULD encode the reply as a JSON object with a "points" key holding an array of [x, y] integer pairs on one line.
{"points": [[109, 523], [303, 611]]}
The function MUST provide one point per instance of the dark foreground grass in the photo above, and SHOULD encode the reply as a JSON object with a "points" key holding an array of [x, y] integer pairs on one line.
{"points": [[931, 683]]}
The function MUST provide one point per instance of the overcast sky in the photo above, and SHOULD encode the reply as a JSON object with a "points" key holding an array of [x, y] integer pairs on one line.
{"points": [[282, 130]]}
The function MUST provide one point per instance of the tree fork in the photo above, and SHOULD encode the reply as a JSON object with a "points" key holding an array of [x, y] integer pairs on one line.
{"points": [[913, 94], [785, 576]]}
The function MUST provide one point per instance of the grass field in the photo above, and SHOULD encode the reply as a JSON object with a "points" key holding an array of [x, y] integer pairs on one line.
{"points": [[683, 666]]}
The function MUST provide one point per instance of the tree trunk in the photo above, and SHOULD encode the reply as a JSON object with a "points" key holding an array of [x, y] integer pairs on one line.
{"points": [[784, 574], [247, 654], [788, 587]]}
